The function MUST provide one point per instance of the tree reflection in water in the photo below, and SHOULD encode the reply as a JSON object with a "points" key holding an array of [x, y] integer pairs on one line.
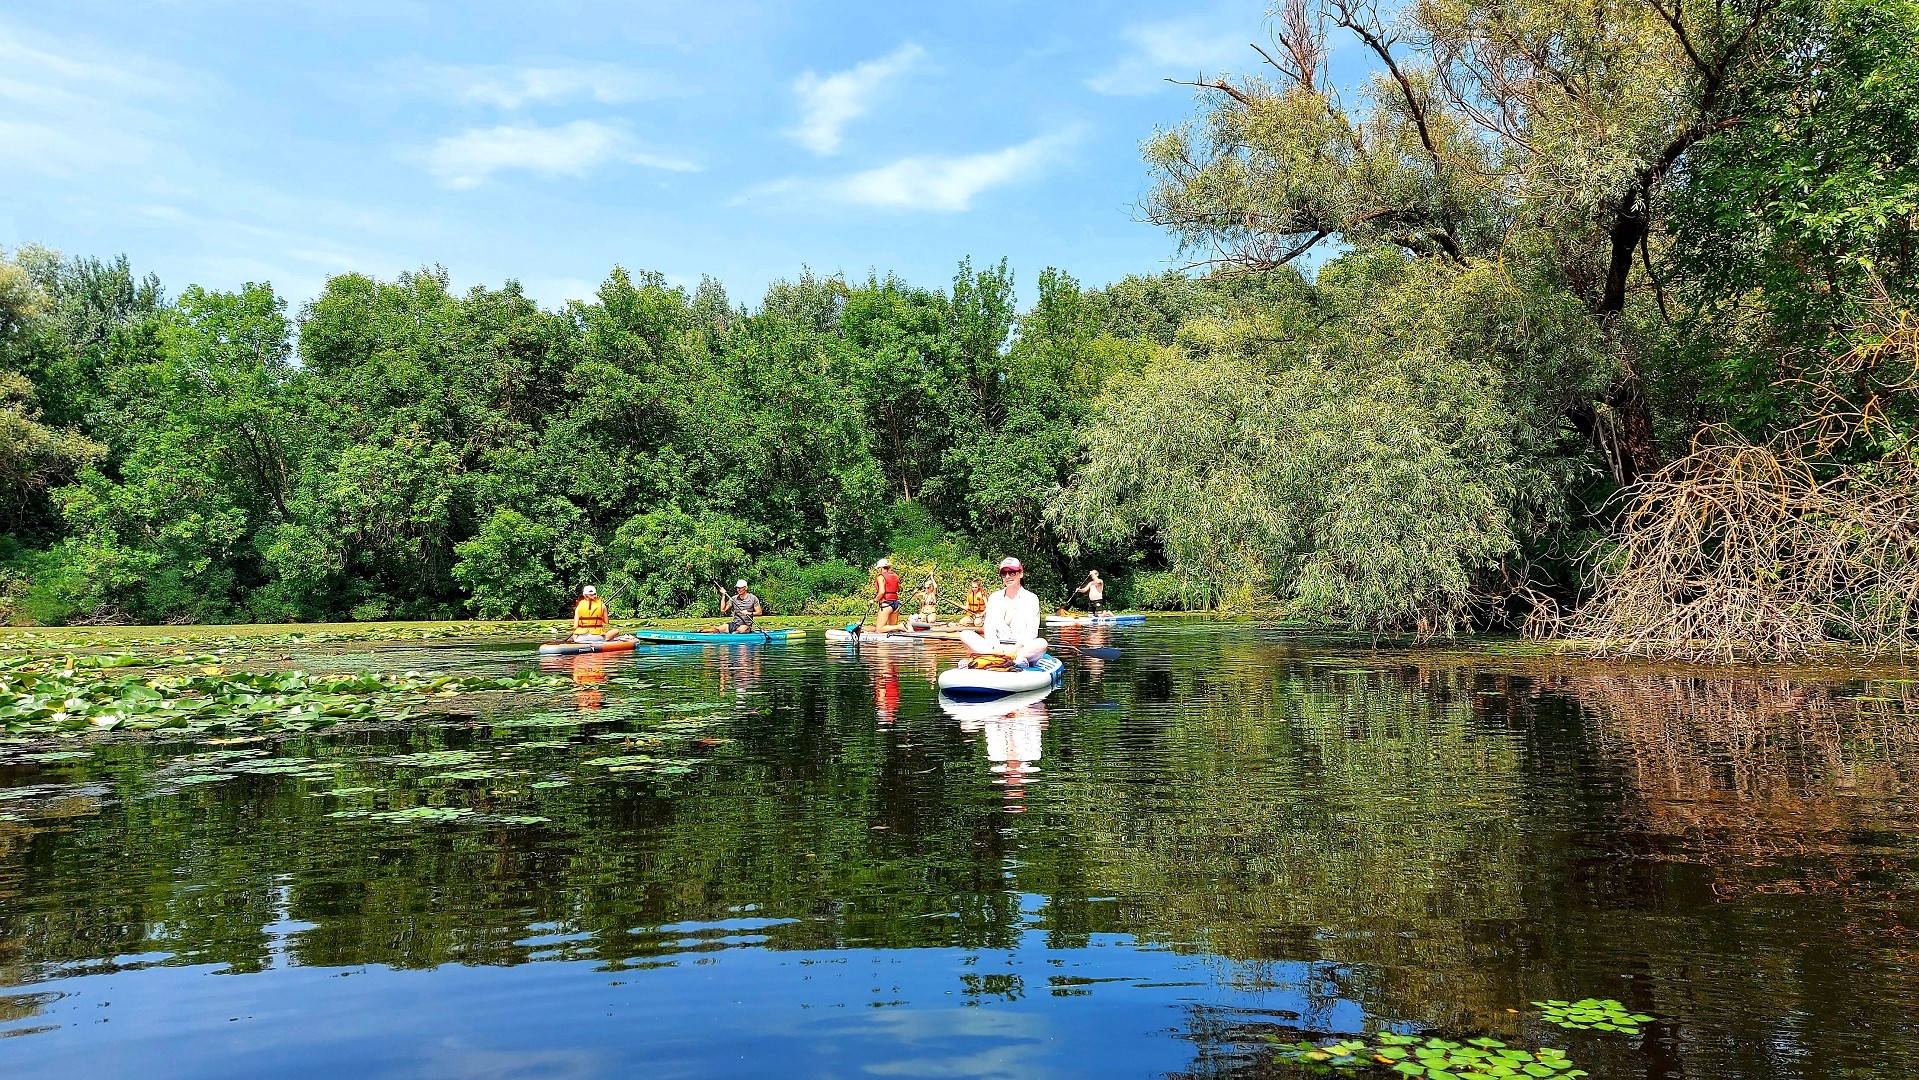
{"points": [[1329, 836]]}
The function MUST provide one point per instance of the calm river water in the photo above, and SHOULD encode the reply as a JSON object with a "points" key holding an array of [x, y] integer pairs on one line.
{"points": [[1229, 837]]}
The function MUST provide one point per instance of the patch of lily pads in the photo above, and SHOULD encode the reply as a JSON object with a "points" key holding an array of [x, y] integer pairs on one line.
{"points": [[68, 695], [1431, 1058], [1592, 1014], [439, 815], [29, 640]]}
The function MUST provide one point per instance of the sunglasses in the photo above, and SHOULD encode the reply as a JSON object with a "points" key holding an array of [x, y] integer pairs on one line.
{"points": [[1010, 573]]}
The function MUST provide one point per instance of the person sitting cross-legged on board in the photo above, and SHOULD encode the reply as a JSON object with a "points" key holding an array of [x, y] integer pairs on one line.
{"points": [[743, 606], [589, 617], [1011, 623]]}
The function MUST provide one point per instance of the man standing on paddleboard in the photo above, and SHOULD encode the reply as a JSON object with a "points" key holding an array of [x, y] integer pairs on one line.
{"points": [[1095, 591], [1012, 620]]}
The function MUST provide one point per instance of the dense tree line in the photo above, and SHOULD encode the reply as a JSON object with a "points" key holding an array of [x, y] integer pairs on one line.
{"points": [[1553, 249], [398, 449]]}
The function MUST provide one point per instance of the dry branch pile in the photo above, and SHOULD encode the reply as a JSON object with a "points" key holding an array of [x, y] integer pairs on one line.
{"points": [[1765, 551], [1744, 551]]}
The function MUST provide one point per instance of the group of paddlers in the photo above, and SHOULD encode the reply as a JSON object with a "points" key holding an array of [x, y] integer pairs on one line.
{"points": [[591, 622], [1004, 622]]}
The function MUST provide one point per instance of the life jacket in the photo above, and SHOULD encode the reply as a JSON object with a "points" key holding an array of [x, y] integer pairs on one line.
{"points": [[976, 601], [991, 662], [889, 586], [589, 615]]}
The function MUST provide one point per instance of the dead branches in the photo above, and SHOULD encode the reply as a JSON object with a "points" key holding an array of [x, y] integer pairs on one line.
{"points": [[1743, 551]]}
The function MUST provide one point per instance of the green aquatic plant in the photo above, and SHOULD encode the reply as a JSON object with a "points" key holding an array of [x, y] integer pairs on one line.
{"points": [[53, 696], [1592, 1014], [437, 815], [1430, 1058]]}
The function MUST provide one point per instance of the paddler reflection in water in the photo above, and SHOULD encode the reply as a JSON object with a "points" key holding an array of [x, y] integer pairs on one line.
{"points": [[1013, 747], [886, 690], [1011, 623], [589, 617], [589, 680]]}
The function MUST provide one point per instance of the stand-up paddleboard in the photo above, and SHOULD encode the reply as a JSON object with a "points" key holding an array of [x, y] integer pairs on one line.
{"points": [[838, 636], [981, 684], [627, 642], [716, 637], [622, 643], [993, 708], [1095, 620]]}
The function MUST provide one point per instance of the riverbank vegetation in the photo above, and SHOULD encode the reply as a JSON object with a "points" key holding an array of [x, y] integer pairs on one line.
{"points": [[1591, 320]]}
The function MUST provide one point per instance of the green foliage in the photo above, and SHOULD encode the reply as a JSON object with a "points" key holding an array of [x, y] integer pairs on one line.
{"points": [[1365, 469], [1565, 241], [1159, 590], [1592, 1014], [507, 567], [1391, 1054], [670, 562]]}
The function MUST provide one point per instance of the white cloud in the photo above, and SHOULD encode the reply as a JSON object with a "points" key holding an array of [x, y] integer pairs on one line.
{"points": [[471, 157], [941, 184], [1180, 48], [513, 87], [828, 104], [71, 108]]}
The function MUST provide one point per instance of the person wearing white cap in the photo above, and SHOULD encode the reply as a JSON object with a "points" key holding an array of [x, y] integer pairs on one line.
{"points": [[1012, 619], [743, 606], [589, 617], [886, 589]]}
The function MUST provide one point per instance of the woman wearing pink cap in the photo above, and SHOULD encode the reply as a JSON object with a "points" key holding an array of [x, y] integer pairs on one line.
{"points": [[1012, 620]]}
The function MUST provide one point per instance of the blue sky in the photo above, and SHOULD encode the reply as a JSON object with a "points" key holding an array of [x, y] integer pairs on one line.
{"points": [[223, 142]]}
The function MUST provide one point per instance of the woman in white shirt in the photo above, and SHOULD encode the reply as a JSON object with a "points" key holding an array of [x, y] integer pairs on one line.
{"points": [[1012, 619]]}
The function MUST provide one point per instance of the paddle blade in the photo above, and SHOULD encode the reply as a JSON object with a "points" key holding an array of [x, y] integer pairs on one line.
{"points": [[1093, 651]]}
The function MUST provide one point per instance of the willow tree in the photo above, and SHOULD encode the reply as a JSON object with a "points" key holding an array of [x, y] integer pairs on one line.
{"points": [[1543, 133]]}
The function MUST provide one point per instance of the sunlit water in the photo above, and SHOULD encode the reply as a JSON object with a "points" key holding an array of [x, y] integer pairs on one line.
{"points": [[1226, 838]]}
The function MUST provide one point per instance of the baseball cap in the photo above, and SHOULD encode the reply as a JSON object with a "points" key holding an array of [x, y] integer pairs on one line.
{"points": [[589, 591], [740, 584], [1010, 563], [883, 564]]}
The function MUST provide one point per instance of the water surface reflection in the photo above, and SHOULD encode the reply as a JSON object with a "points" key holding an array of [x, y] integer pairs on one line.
{"points": [[801, 860]]}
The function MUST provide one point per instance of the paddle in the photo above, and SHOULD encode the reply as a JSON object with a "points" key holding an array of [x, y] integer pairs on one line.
{"points": [[1093, 651]]}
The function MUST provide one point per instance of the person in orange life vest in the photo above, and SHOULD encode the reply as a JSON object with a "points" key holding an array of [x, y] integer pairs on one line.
{"points": [[589, 617], [886, 587], [975, 605]]}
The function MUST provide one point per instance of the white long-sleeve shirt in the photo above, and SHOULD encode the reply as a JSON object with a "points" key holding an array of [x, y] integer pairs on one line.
{"points": [[1011, 620]]}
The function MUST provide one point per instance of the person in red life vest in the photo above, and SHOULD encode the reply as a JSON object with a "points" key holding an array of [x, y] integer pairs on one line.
{"points": [[589, 617], [886, 587]]}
